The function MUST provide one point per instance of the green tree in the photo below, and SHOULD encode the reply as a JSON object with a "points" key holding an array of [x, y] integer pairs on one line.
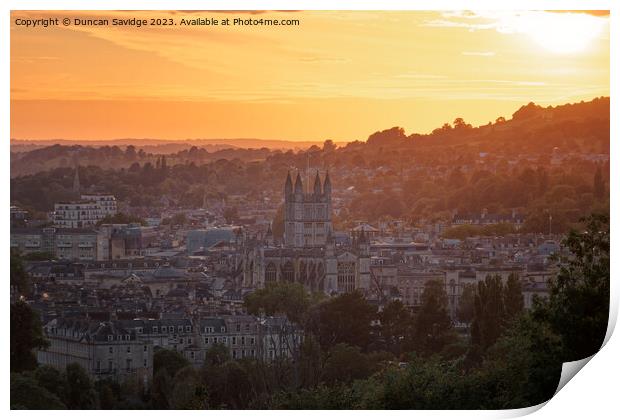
{"points": [[433, 326], [396, 324], [465, 312], [26, 336], [187, 391], [19, 278], [52, 379], [217, 355], [513, 297], [81, 393], [522, 368], [109, 393], [27, 394], [166, 364], [290, 299], [344, 319], [344, 364], [121, 218], [170, 360], [161, 390], [578, 305], [227, 385], [310, 362], [489, 312]]}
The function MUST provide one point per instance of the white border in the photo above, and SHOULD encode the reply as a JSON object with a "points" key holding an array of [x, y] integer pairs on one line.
{"points": [[592, 394]]}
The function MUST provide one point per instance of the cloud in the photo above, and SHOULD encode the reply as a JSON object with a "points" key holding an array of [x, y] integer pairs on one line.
{"points": [[316, 59], [419, 76], [599, 13], [506, 22], [479, 53]]}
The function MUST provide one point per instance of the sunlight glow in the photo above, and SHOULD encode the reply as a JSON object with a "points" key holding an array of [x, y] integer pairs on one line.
{"points": [[559, 33]]}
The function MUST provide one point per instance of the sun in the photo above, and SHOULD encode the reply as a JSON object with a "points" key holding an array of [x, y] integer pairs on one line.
{"points": [[561, 33]]}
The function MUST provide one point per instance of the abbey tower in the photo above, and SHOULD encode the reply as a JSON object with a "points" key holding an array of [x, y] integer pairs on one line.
{"points": [[307, 214]]}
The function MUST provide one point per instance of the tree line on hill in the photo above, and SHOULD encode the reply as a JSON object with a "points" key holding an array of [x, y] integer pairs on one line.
{"points": [[564, 193]]}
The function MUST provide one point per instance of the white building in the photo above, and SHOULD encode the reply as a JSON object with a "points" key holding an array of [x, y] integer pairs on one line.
{"points": [[107, 202], [64, 244], [103, 349], [77, 214]]}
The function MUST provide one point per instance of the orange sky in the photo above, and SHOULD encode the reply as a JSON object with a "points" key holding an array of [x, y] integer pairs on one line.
{"points": [[338, 75]]}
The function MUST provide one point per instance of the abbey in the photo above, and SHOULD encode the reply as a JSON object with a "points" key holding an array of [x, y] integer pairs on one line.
{"points": [[309, 254], [307, 215]]}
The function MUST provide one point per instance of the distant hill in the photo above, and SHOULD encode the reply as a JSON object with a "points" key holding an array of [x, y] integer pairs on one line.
{"points": [[169, 146], [533, 130], [29, 157], [579, 127]]}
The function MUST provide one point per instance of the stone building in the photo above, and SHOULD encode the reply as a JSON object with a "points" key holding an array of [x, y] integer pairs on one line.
{"points": [[103, 349], [77, 214], [107, 202], [63, 244], [307, 215], [309, 255]]}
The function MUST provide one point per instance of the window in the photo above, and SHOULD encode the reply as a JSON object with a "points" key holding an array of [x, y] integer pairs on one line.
{"points": [[180, 328], [234, 340], [238, 327], [191, 354], [145, 349], [188, 328], [270, 273], [346, 276], [164, 329], [234, 354], [252, 341], [288, 272], [128, 349], [206, 340], [223, 329], [144, 363], [155, 330], [110, 338], [243, 341], [181, 340], [111, 350]]}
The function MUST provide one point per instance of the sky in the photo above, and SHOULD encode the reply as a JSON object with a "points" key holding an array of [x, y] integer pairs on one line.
{"points": [[337, 75]]}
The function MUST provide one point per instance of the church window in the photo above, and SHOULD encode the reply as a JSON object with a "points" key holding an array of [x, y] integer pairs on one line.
{"points": [[346, 276], [288, 272], [270, 273]]}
